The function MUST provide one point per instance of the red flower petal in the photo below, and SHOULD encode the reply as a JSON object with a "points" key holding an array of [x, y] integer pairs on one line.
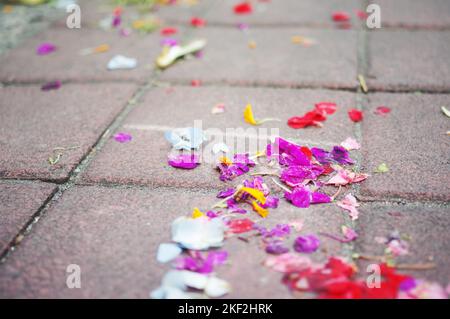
{"points": [[168, 31], [340, 16], [382, 110], [238, 226], [307, 152], [243, 8], [355, 115], [196, 83], [361, 14], [198, 22], [328, 107]]}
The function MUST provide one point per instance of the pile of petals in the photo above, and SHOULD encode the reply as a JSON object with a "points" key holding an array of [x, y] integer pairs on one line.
{"points": [[337, 279], [313, 118], [253, 193], [193, 235]]}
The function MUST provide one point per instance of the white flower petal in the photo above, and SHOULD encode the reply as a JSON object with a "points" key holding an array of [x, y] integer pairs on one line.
{"points": [[168, 252]]}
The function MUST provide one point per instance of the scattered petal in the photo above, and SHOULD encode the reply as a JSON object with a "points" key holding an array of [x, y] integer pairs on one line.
{"points": [[199, 233], [219, 108], [243, 8], [184, 161], [198, 22], [306, 244], [382, 110], [168, 31], [382, 168], [120, 62], [288, 263], [238, 226], [355, 115], [350, 144], [54, 85], [350, 204], [45, 48], [122, 137]]}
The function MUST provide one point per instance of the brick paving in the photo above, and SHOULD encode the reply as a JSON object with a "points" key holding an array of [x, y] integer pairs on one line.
{"points": [[106, 206]]}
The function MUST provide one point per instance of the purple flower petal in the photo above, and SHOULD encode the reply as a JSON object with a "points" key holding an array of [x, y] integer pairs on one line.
{"points": [[306, 244], [319, 198], [226, 193], [184, 161], [322, 156], [54, 85], [169, 42], [45, 48], [276, 248], [340, 155], [122, 137], [300, 197]]}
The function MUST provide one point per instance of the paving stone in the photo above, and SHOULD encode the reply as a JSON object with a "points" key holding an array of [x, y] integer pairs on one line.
{"points": [[274, 13], [409, 60], [412, 141], [426, 226], [414, 13], [22, 64], [275, 60], [113, 235], [144, 159], [18, 203], [34, 122]]}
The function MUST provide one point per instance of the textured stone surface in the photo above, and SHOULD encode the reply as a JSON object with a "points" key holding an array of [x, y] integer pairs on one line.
{"points": [[144, 159], [34, 122], [275, 60], [287, 12], [426, 226], [113, 235], [22, 64], [412, 141], [409, 60], [18, 203], [414, 13]]}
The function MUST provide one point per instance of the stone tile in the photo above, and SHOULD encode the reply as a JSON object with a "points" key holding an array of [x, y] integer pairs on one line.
{"points": [[426, 225], [412, 141], [113, 235], [409, 60], [144, 159], [34, 122], [22, 64], [274, 13], [18, 203], [414, 13], [275, 60]]}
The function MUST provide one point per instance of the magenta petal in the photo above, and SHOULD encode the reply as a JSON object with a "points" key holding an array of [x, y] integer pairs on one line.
{"points": [[122, 137], [319, 198], [54, 85], [306, 244], [300, 197], [45, 48], [184, 161]]}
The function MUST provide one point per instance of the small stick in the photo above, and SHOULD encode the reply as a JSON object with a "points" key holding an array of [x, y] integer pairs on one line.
{"points": [[281, 186], [424, 266], [363, 83]]}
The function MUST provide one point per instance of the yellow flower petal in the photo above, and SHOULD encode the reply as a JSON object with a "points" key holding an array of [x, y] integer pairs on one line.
{"points": [[257, 194], [248, 115], [197, 213], [101, 48], [261, 211], [225, 160]]}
